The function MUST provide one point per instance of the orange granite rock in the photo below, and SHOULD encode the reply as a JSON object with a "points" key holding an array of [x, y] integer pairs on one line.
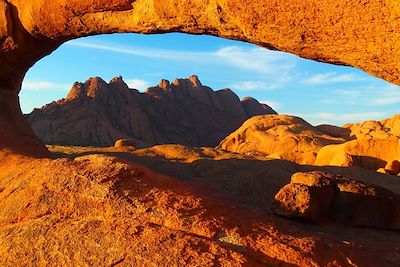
{"points": [[281, 136], [317, 196], [361, 34], [101, 210]]}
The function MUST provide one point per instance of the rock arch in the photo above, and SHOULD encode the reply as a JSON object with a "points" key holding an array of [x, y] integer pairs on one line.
{"points": [[364, 34]]}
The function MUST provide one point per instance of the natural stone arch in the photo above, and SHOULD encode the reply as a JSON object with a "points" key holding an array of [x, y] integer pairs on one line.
{"points": [[364, 34]]}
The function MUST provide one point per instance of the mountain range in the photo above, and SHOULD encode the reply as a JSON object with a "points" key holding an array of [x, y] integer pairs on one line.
{"points": [[97, 113]]}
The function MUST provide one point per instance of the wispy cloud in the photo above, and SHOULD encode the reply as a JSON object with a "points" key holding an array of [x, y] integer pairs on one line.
{"points": [[257, 60], [141, 51], [349, 92], [340, 119], [44, 85], [370, 95], [389, 96], [332, 78], [139, 84], [273, 104]]}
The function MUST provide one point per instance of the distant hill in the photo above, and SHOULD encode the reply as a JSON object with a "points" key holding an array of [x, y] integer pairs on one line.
{"points": [[96, 113]]}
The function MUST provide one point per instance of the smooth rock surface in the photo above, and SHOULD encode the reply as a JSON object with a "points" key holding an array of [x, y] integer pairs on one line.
{"points": [[289, 137], [367, 153]]}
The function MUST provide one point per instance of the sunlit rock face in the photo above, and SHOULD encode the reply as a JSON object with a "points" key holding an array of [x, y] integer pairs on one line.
{"points": [[279, 136], [372, 144], [97, 113], [319, 196], [100, 210], [360, 34]]}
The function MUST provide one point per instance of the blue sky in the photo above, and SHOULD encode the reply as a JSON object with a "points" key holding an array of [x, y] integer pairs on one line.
{"points": [[317, 92]]}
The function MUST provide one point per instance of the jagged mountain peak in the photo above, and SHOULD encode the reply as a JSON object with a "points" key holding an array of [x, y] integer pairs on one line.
{"points": [[184, 112]]}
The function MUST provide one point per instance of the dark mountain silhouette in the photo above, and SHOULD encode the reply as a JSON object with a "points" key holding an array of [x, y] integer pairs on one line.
{"points": [[96, 113]]}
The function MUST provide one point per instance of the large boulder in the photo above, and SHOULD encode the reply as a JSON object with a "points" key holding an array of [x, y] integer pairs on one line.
{"points": [[304, 202], [279, 136], [130, 143], [318, 196], [393, 167]]}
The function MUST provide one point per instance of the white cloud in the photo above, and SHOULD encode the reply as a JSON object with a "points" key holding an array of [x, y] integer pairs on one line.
{"points": [[274, 105], [386, 100], [257, 59], [139, 84], [370, 95], [44, 85], [142, 51], [340, 119], [329, 101], [272, 84], [390, 96], [331, 78]]}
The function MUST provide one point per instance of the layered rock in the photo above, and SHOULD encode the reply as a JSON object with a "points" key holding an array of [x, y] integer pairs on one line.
{"points": [[96, 113], [279, 136]]}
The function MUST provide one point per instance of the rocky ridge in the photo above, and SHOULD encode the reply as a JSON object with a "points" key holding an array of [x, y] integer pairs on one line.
{"points": [[371, 144], [279, 136], [96, 113], [374, 145]]}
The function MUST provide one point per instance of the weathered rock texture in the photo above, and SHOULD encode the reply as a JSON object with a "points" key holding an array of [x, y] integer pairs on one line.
{"points": [[363, 34], [279, 136], [99, 210], [318, 196], [117, 211], [182, 112], [371, 144], [384, 129]]}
